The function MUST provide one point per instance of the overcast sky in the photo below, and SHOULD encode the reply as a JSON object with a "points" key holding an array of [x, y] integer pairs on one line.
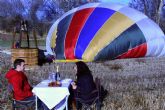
{"points": [[117, 1]]}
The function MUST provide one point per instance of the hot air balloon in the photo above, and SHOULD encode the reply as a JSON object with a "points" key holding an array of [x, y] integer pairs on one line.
{"points": [[99, 32]]}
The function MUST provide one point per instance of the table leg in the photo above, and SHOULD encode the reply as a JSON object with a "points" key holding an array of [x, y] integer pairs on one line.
{"points": [[67, 102], [36, 103]]}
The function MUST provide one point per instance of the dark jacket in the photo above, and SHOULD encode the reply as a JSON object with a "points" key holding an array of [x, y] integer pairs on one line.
{"points": [[86, 88], [21, 86]]}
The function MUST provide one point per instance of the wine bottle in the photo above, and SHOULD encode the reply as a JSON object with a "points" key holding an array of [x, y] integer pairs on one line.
{"points": [[57, 74]]}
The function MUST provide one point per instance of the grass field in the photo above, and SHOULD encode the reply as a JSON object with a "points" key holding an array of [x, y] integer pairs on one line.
{"points": [[6, 41], [132, 84], [5, 44]]}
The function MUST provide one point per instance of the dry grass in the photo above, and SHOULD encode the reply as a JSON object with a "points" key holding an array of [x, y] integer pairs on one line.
{"points": [[132, 84]]}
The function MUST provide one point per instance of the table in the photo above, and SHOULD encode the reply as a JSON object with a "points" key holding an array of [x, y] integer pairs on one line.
{"points": [[51, 96]]}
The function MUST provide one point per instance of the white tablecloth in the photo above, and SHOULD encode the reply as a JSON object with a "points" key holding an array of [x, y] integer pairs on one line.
{"points": [[51, 96]]}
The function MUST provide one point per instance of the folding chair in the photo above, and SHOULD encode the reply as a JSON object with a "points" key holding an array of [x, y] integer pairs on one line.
{"points": [[17, 104]]}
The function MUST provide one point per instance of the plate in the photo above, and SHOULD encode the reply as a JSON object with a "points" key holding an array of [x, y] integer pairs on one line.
{"points": [[45, 81], [66, 80]]}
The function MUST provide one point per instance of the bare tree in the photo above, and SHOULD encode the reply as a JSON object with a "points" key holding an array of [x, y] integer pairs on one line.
{"points": [[154, 9], [55, 8], [51, 10], [37, 11], [33, 9], [160, 9], [11, 8], [17, 7], [4, 9], [150, 8], [11, 11]]}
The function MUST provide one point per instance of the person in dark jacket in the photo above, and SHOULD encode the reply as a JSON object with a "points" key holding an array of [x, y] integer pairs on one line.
{"points": [[84, 88]]}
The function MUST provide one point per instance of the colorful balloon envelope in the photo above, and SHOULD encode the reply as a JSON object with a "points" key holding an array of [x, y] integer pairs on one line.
{"points": [[100, 32]]}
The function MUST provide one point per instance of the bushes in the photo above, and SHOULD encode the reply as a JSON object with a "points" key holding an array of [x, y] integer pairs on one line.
{"points": [[4, 67]]}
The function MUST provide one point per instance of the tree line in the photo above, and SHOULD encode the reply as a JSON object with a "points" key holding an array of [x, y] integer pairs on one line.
{"points": [[40, 14]]}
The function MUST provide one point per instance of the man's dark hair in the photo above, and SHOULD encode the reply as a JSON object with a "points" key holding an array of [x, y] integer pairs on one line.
{"points": [[18, 62]]}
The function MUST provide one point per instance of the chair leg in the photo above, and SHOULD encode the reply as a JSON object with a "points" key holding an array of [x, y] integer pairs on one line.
{"points": [[78, 105], [98, 105], [13, 107], [29, 108]]}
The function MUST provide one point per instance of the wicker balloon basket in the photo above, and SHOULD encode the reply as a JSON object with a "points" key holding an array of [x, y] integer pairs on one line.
{"points": [[30, 55]]}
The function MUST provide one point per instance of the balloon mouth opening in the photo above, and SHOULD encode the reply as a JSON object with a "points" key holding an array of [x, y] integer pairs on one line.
{"points": [[69, 60]]}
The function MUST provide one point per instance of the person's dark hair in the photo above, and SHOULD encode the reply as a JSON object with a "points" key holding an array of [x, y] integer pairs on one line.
{"points": [[82, 68], [18, 62]]}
